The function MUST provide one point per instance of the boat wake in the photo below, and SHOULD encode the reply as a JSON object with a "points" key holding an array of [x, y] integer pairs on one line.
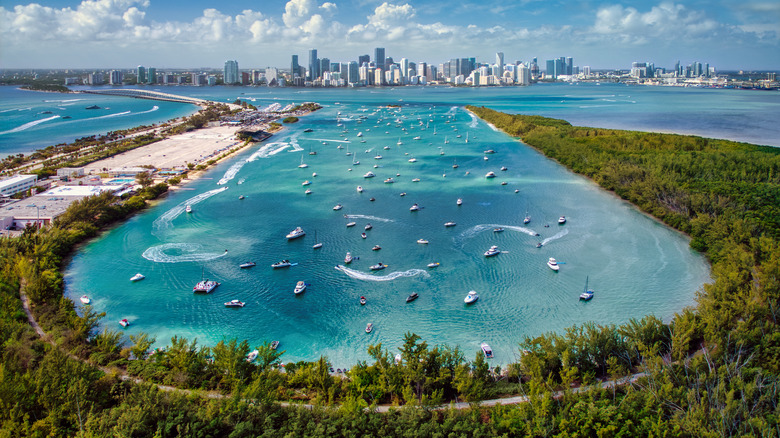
{"points": [[164, 221], [474, 120], [16, 109], [473, 231], [555, 237], [389, 277], [452, 111], [231, 173], [154, 108], [294, 143], [179, 252], [268, 150], [29, 125], [325, 139], [367, 216]]}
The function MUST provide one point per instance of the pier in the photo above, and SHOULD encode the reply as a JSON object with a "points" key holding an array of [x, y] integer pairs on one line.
{"points": [[147, 94]]}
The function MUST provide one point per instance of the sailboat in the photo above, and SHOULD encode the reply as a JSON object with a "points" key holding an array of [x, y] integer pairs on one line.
{"points": [[445, 140], [317, 244], [586, 294], [467, 136], [303, 165], [311, 152], [399, 141]]}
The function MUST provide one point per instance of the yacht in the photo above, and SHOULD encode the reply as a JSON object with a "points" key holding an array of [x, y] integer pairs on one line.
{"points": [[137, 277], [434, 265], [417, 138], [369, 174], [459, 201], [399, 141], [376, 248], [449, 224], [561, 220], [188, 209], [351, 224], [503, 183], [414, 207], [306, 183], [205, 286], [422, 241], [369, 327], [416, 180], [586, 294], [389, 180], [359, 134], [363, 301], [378, 267], [282, 264], [359, 189], [234, 303], [471, 298], [252, 356], [247, 265], [296, 233], [85, 299], [368, 227], [274, 345], [348, 258], [307, 192], [503, 168], [498, 230], [553, 264], [377, 157], [527, 219], [302, 165], [412, 160], [338, 207], [363, 235], [300, 287], [124, 322], [413, 296], [490, 175], [493, 251], [386, 148], [487, 350]]}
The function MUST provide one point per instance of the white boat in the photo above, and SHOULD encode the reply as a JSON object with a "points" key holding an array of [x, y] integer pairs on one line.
{"points": [[124, 322], [369, 327], [359, 134], [351, 224], [561, 220], [503, 168], [307, 192], [247, 265], [317, 244], [459, 201], [414, 207], [296, 233], [490, 175], [368, 227], [274, 345], [486, 349], [359, 189], [416, 180], [338, 207], [493, 251], [306, 183], [205, 286], [314, 175], [234, 303], [137, 277], [377, 267], [527, 219], [241, 198], [348, 258], [422, 241], [449, 224], [281, 264], [252, 355], [303, 165], [434, 265], [389, 181], [369, 174], [399, 141], [300, 287], [467, 136], [417, 138], [586, 294], [553, 264], [85, 299], [188, 209], [386, 148], [363, 301], [412, 160], [471, 298]]}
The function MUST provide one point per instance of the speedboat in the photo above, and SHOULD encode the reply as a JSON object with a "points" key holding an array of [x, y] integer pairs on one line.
{"points": [[493, 251], [369, 174], [586, 294], [471, 298], [434, 265], [372, 199], [539, 245], [412, 297], [416, 138], [308, 130], [527, 219], [362, 301], [124, 322], [247, 265], [338, 207], [490, 175], [241, 198], [359, 189], [553, 264], [503, 168], [368, 227], [422, 241], [369, 327], [351, 224], [403, 193], [485, 158], [296, 233], [487, 350], [459, 201], [414, 207], [363, 235], [205, 286], [376, 248], [306, 183], [449, 224], [377, 157], [300, 287], [561, 220], [489, 151], [386, 148], [252, 355], [234, 303], [348, 258], [416, 180], [389, 180], [307, 192], [281, 264], [85, 299], [137, 277], [274, 345], [412, 160], [498, 230], [188, 209]]}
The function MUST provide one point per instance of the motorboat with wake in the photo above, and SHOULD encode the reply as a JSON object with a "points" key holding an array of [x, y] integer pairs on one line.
{"points": [[85, 299], [300, 287], [282, 264], [124, 322], [296, 233], [553, 264], [378, 267], [369, 327], [234, 303], [498, 230], [471, 298], [561, 220], [434, 265], [493, 251]]}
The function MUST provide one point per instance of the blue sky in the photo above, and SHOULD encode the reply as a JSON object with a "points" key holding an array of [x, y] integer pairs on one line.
{"points": [[727, 34]]}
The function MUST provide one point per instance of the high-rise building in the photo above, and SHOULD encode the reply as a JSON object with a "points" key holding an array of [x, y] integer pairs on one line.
{"points": [[151, 77], [271, 76], [140, 73], [353, 74], [405, 68], [379, 58], [363, 59], [115, 77], [230, 75], [569, 66], [500, 62], [314, 65], [295, 68], [523, 74]]}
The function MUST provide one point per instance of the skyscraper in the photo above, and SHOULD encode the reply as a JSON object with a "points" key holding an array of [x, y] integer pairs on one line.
{"points": [[353, 73], [231, 72], [500, 62], [314, 65], [404, 68], [115, 77], [151, 77], [295, 68], [141, 74], [363, 59], [379, 58]]}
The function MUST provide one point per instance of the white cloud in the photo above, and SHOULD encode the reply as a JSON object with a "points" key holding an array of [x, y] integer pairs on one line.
{"points": [[666, 21], [388, 15]]}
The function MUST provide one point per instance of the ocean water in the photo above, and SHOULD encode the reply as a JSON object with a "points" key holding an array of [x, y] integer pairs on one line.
{"points": [[635, 265]]}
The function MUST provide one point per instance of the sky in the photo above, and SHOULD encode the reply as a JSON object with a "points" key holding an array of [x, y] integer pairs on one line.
{"points": [[603, 34]]}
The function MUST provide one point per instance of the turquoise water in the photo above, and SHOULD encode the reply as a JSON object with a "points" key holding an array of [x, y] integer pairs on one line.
{"points": [[635, 265]]}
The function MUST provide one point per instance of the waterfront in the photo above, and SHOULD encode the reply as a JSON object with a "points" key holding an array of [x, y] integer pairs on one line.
{"points": [[636, 265]]}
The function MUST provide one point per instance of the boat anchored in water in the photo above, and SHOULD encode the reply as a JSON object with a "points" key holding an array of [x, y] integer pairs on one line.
{"points": [[553, 264], [369, 327], [422, 241], [369, 174], [137, 277], [459, 202], [247, 265], [338, 207], [414, 207], [348, 258], [561, 220], [296, 233], [471, 298], [204, 285], [359, 189], [124, 322], [434, 265], [234, 303], [85, 299], [413, 296], [486, 350], [586, 294], [450, 224], [282, 264], [300, 287], [493, 251], [363, 301]]}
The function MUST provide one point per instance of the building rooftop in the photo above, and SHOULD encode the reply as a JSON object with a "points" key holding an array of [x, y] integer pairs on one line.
{"points": [[52, 203]]}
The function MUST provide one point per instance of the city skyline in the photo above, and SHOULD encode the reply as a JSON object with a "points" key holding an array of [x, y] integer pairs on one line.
{"points": [[602, 34]]}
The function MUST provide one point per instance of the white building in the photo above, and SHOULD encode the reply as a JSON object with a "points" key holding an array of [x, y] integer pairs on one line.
{"points": [[115, 77], [16, 184]]}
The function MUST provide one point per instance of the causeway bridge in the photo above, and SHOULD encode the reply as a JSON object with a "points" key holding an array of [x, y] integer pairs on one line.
{"points": [[147, 94]]}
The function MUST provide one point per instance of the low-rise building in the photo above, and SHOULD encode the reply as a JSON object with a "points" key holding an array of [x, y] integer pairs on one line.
{"points": [[66, 173], [16, 184]]}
